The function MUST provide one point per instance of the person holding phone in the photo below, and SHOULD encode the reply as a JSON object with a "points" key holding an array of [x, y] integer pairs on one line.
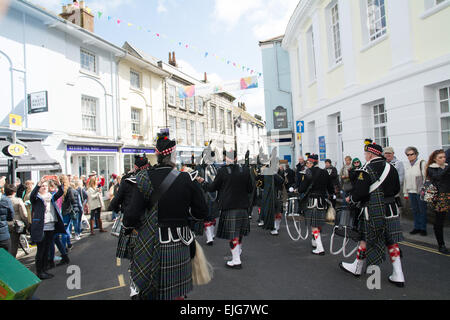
{"points": [[46, 221]]}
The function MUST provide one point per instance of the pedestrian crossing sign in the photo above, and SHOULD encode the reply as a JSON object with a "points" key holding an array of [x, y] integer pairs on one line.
{"points": [[15, 122]]}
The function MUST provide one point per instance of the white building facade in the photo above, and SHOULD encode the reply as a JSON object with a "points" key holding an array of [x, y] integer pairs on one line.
{"points": [[77, 72], [375, 69]]}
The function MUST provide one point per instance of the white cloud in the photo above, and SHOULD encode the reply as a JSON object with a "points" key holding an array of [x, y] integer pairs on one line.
{"points": [[161, 6], [268, 17], [187, 68], [253, 99]]}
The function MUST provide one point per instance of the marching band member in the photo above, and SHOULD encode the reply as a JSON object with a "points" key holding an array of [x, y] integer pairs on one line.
{"points": [[234, 184], [379, 223], [316, 183], [161, 267]]}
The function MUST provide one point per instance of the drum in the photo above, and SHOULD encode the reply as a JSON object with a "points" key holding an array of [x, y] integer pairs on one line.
{"points": [[345, 227], [292, 207], [345, 224]]}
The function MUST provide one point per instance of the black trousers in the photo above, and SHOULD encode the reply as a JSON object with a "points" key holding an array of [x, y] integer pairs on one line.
{"points": [[5, 244], [439, 227], [43, 248]]}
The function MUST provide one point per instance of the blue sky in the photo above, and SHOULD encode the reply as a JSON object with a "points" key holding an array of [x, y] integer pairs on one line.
{"points": [[229, 29]]}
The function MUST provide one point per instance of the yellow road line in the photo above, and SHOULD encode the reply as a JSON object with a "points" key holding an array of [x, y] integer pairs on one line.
{"points": [[121, 285], [118, 262], [121, 280], [417, 246]]}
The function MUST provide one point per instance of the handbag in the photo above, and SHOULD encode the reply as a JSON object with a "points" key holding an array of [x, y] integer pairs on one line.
{"points": [[420, 181], [19, 227], [428, 192]]}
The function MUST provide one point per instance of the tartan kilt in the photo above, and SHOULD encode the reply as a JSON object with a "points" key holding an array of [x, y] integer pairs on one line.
{"points": [[176, 271], [394, 230], [315, 217], [125, 245], [233, 223]]}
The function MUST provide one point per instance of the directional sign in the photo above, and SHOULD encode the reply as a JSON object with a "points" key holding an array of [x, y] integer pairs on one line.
{"points": [[300, 126], [15, 122], [16, 150]]}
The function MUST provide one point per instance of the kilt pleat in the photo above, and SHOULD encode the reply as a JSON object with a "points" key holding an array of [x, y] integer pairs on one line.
{"points": [[315, 218], [233, 224], [176, 271], [394, 230]]}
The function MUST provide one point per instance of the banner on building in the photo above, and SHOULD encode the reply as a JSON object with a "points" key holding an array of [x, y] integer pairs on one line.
{"points": [[212, 88]]}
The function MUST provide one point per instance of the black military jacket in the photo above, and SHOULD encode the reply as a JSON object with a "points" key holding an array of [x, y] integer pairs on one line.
{"points": [[390, 187]]}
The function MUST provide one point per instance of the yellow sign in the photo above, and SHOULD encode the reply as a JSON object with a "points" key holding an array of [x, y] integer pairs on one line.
{"points": [[299, 137], [16, 150], [15, 122]]}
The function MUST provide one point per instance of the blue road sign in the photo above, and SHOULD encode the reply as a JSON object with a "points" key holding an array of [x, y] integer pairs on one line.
{"points": [[322, 149], [300, 126]]}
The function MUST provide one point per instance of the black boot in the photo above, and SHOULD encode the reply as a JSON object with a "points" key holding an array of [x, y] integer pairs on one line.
{"points": [[64, 260], [50, 265], [443, 249]]}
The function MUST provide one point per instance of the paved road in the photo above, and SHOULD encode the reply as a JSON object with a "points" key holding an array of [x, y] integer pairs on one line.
{"points": [[274, 267]]}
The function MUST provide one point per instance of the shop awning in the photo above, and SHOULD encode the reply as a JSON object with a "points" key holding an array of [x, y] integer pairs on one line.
{"points": [[37, 159]]}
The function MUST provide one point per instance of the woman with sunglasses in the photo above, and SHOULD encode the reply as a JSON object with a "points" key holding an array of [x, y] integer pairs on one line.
{"points": [[414, 178]]}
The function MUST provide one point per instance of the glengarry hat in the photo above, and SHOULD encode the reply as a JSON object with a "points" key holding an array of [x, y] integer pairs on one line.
{"points": [[164, 146], [373, 148]]}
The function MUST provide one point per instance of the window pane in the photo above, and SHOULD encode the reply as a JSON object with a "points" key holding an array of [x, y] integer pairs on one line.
{"points": [[444, 107], [443, 94], [445, 123], [445, 138]]}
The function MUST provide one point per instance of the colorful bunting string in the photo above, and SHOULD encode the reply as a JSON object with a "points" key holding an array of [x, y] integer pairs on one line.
{"points": [[206, 54]]}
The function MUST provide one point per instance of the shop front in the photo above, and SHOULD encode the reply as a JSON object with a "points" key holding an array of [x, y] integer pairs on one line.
{"points": [[129, 154], [87, 158]]}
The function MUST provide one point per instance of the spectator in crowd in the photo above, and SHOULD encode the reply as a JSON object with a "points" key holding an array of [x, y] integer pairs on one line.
{"points": [[415, 171], [353, 173], [2, 183], [113, 192], [299, 168], [333, 173], [290, 177], [20, 214], [29, 186], [84, 180], [438, 173], [83, 198], [344, 176], [392, 159], [19, 188], [6, 215], [47, 220], [95, 203], [69, 211]]}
